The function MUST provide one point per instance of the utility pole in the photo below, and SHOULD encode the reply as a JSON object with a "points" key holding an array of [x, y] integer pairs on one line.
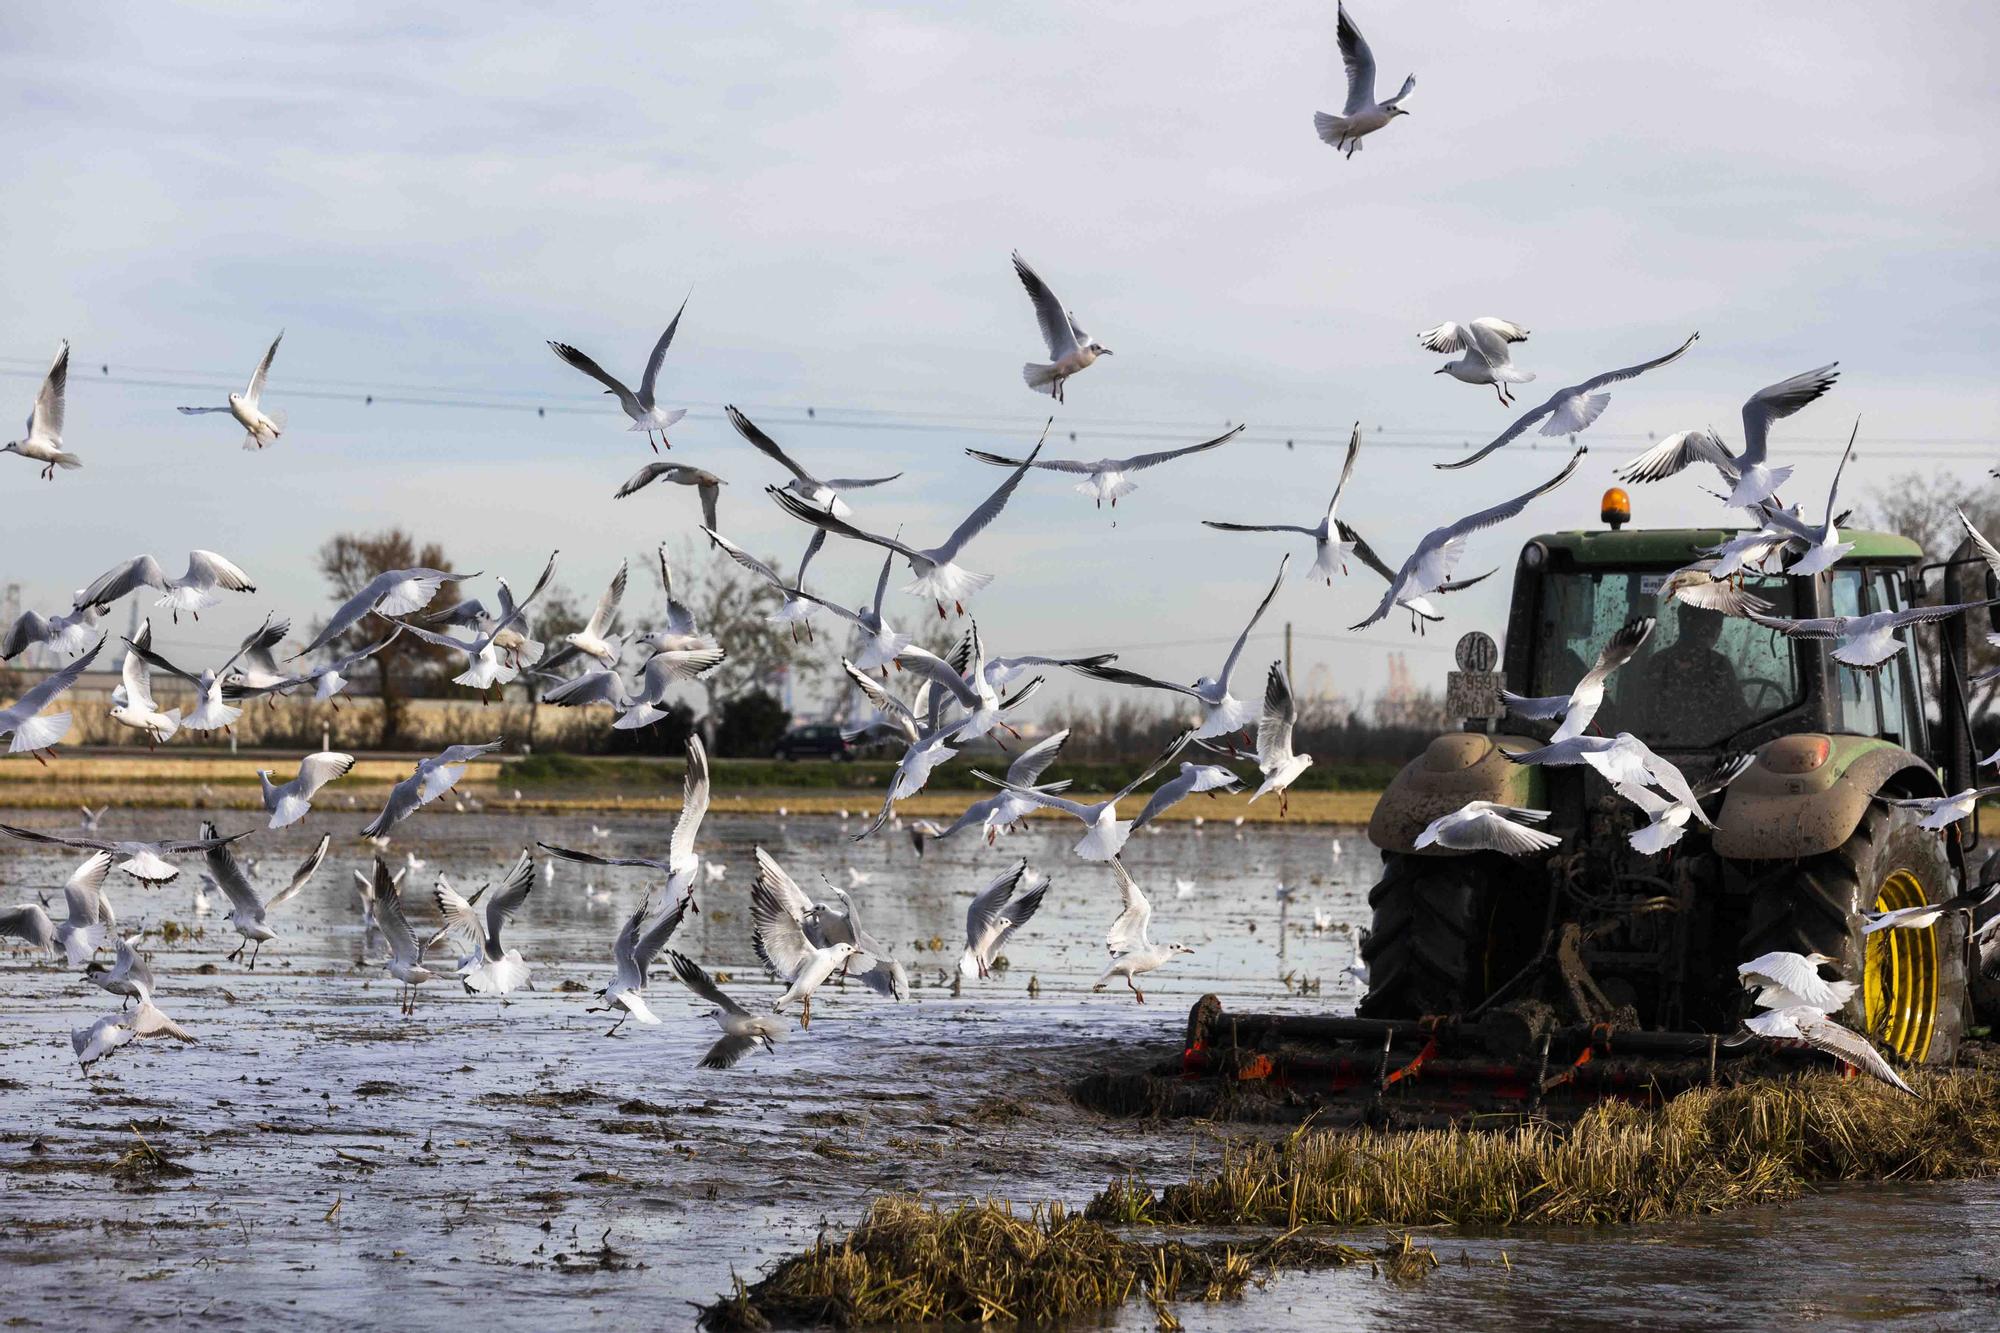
{"points": [[1288, 650]]}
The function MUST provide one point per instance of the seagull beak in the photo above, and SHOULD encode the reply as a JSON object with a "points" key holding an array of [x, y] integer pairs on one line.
{"points": [[1439, 371]]}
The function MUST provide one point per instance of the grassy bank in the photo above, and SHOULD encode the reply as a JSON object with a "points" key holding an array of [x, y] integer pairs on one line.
{"points": [[1702, 1152], [174, 778]]}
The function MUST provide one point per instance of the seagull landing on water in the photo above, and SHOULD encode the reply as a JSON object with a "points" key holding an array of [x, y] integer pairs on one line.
{"points": [[246, 912], [1362, 115], [645, 411], [993, 917], [1333, 541], [1105, 479], [406, 952], [1071, 350], [1751, 477], [1487, 359], [263, 427], [489, 967], [43, 440], [742, 1031], [1571, 411], [1133, 954]]}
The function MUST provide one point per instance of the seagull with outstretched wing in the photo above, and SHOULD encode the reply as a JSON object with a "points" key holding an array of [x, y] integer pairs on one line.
{"points": [[1071, 350], [1362, 115], [1106, 478], [247, 407], [823, 494], [1570, 411], [643, 407]]}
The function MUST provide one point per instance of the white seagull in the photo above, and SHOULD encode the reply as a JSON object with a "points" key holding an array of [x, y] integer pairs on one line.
{"points": [[30, 734], [43, 440], [1489, 826], [1006, 808], [1070, 349], [1925, 915], [1940, 812], [138, 709], [1487, 360], [822, 494], [488, 662], [1865, 642], [779, 935], [246, 912], [797, 609], [88, 921], [406, 952], [1106, 478], [289, 802], [993, 916], [1132, 953], [1221, 711], [1785, 980], [66, 632], [679, 646], [491, 968], [642, 407], [263, 427], [1333, 541], [1824, 548], [1431, 565], [143, 861], [1812, 1026], [395, 592], [825, 925], [1580, 705], [1752, 478], [632, 953], [428, 780], [707, 485], [881, 642], [193, 592], [940, 578], [1362, 115], [1279, 765], [1700, 585], [1667, 819], [1570, 411], [1105, 834], [111, 1031], [213, 710], [680, 864], [1621, 758], [742, 1031]]}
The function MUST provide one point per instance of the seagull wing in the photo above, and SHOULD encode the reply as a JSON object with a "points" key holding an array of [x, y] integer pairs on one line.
{"points": [[605, 617], [745, 559], [1677, 451], [1624, 373], [45, 418], [1167, 756], [1562, 396], [1280, 716], [694, 805], [633, 408], [651, 378], [140, 571], [807, 512], [395, 927], [703, 985], [1139, 462], [977, 521], [1778, 400], [1824, 627], [302, 875], [777, 932], [859, 483], [1128, 932], [1229, 664], [988, 903], [1031, 763], [1120, 676], [645, 477], [1447, 337], [229, 877], [143, 650], [257, 376], [1164, 797], [767, 446], [1359, 62], [935, 669], [1057, 331]]}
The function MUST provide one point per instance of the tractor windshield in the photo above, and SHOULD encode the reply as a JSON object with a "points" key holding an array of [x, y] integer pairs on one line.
{"points": [[1702, 676]]}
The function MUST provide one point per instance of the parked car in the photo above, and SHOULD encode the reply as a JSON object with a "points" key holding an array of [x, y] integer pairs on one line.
{"points": [[822, 740]]}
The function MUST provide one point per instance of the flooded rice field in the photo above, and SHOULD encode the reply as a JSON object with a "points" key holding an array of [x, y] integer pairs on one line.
{"points": [[335, 1163]]}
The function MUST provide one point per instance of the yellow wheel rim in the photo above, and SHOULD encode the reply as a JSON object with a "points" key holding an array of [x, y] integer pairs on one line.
{"points": [[1899, 975]]}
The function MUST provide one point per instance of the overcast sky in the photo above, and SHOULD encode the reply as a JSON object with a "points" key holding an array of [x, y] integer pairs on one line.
{"points": [[422, 196]]}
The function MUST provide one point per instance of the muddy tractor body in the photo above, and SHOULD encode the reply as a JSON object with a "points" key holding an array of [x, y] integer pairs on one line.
{"points": [[1594, 969]]}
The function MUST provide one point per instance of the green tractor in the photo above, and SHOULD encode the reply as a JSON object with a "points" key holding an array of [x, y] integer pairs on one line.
{"points": [[1594, 934]]}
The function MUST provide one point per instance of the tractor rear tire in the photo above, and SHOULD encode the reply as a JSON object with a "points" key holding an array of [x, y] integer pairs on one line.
{"points": [[1427, 946], [1912, 998]]}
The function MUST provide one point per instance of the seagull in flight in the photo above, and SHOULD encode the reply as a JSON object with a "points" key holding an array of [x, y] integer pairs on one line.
{"points": [[706, 484], [1580, 705], [678, 646], [823, 494], [1623, 758], [1276, 761], [1797, 1005], [881, 642], [1362, 115], [1222, 712], [939, 575], [43, 440], [137, 709], [430, 779], [1571, 411], [1864, 642], [289, 802], [1487, 359], [193, 592], [995, 913], [742, 1031], [487, 663], [406, 952], [1105, 834], [263, 427], [680, 864], [1824, 548], [1333, 541], [1071, 350], [246, 913], [65, 632], [213, 711], [30, 734], [1752, 478], [645, 412], [1006, 808], [1105, 479], [1667, 819], [797, 608], [1479, 826], [490, 968], [144, 861], [1698, 585], [88, 920], [392, 593], [825, 925], [1133, 954], [779, 934], [1431, 565]]}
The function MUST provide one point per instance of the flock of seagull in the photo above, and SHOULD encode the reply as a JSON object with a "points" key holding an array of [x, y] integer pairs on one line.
{"points": [[973, 693]]}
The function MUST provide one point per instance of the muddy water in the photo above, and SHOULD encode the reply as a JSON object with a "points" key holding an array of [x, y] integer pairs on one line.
{"points": [[510, 1162]]}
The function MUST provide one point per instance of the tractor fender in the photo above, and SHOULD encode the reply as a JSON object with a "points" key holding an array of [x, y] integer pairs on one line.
{"points": [[1806, 793], [1454, 768]]}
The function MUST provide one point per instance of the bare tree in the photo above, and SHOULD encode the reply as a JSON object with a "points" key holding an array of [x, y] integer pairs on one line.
{"points": [[1925, 509], [349, 560]]}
